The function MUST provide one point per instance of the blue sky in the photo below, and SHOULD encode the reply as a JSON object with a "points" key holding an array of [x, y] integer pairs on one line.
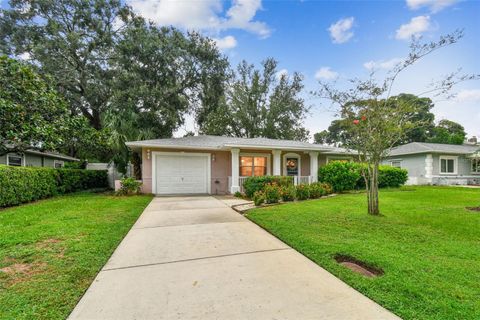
{"points": [[339, 40]]}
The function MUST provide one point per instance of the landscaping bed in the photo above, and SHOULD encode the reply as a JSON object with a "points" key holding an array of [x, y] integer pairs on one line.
{"points": [[51, 250], [425, 246]]}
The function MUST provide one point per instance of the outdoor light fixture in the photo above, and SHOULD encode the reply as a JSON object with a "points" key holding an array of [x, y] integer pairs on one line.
{"points": [[148, 154], [213, 156]]}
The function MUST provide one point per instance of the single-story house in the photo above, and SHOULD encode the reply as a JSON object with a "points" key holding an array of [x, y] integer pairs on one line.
{"points": [[439, 164], [218, 165], [34, 158]]}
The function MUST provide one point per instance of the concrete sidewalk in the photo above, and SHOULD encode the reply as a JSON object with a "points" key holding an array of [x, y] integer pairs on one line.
{"points": [[196, 258]]}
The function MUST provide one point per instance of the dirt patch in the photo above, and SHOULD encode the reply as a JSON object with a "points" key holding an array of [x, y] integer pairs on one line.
{"points": [[358, 266], [473, 208], [47, 243], [21, 272]]}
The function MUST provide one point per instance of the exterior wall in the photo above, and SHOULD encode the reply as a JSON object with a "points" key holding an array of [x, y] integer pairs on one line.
{"points": [[3, 159], [415, 165], [35, 160]]}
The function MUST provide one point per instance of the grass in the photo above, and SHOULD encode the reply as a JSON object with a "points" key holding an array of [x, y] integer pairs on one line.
{"points": [[427, 243], [51, 250]]}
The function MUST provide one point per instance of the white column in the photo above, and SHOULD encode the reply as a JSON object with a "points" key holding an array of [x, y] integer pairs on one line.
{"points": [[429, 167], [235, 170], [313, 166], [277, 162]]}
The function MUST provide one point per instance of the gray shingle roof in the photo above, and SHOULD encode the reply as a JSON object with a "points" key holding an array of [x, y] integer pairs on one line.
{"points": [[220, 142], [423, 147]]}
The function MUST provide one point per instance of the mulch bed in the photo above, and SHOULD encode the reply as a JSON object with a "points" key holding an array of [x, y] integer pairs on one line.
{"points": [[358, 266], [473, 208]]}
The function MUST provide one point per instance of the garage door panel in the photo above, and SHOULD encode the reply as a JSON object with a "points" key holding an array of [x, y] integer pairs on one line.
{"points": [[181, 174]]}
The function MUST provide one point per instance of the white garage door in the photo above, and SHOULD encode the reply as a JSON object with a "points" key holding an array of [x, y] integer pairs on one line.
{"points": [[181, 173]]}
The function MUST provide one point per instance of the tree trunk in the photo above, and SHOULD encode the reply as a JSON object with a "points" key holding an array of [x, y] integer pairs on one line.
{"points": [[372, 189], [137, 166]]}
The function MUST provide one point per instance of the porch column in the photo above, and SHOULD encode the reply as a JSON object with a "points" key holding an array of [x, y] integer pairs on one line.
{"points": [[277, 162], [235, 170], [429, 168], [313, 166]]}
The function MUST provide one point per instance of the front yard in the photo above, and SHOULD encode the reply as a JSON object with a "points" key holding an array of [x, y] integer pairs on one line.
{"points": [[427, 244], [51, 250]]}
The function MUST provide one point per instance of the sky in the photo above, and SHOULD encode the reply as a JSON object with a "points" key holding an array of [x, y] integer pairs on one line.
{"points": [[339, 40]]}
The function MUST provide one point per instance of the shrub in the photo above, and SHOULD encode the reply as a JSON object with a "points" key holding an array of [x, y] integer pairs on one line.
{"points": [[272, 193], [326, 188], [238, 194], [316, 190], [253, 184], [388, 177], [24, 184], [129, 186], [341, 176], [258, 198], [302, 191], [288, 193]]}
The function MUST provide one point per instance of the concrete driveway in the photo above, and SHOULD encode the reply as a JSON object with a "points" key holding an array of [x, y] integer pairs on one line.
{"points": [[196, 258]]}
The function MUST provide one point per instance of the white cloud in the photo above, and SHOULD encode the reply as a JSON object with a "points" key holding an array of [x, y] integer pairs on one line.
{"points": [[227, 42], [415, 28], [382, 64], [205, 15], [279, 74], [472, 95], [432, 5], [325, 73], [340, 31]]}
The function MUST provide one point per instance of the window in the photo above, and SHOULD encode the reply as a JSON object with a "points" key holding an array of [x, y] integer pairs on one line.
{"points": [[58, 164], [253, 166], [396, 163], [14, 160], [448, 165], [476, 165]]}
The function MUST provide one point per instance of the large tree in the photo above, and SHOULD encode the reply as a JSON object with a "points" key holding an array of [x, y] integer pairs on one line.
{"points": [[260, 103], [449, 132], [32, 115], [377, 121], [109, 62]]}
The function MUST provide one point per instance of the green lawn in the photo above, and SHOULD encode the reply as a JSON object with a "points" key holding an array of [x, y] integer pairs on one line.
{"points": [[51, 250], [427, 243]]}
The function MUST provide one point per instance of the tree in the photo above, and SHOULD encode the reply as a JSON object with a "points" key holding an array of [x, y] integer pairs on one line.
{"points": [[449, 132], [258, 104], [109, 62], [32, 115], [337, 133], [376, 120], [72, 41]]}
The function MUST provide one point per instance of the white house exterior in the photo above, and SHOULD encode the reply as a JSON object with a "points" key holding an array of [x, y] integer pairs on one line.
{"points": [[438, 164]]}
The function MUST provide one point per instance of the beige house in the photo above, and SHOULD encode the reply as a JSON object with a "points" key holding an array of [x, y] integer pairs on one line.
{"points": [[219, 165]]}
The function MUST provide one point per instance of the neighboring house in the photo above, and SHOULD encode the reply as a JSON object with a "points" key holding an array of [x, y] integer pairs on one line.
{"points": [[439, 164], [219, 165], [32, 158]]}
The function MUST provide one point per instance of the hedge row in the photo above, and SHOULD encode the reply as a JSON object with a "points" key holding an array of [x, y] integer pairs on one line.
{"points": [[20, 184], [344, 176]]}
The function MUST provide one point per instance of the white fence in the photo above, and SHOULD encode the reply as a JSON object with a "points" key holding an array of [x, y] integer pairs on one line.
{"points": [[296, 181], [112, 172]]}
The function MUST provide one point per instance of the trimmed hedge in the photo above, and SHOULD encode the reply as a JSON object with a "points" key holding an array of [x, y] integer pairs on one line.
{"points": [[254, 184], [343, 176], [20, 184]]}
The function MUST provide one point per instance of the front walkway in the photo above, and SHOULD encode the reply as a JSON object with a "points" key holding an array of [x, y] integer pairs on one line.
{"points": [[196, 258]]}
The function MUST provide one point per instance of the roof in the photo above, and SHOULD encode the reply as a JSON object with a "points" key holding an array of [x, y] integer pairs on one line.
{"points": [[52, 154], [221, 142], [424, 147]]}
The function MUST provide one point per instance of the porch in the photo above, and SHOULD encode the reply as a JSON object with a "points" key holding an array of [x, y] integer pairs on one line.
{"points": [[300, 165]]}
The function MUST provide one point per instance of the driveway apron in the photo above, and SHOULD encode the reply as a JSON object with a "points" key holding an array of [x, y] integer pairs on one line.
{"points": [[196, 258]]}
